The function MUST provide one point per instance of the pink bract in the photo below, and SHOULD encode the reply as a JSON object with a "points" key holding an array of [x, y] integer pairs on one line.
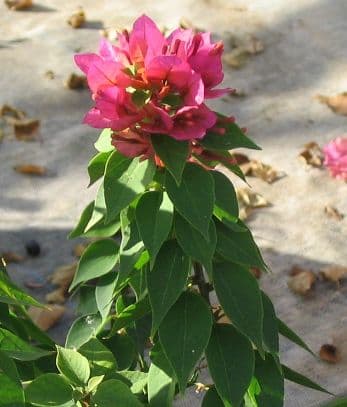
{"points": [[335, 153], [149, 84]]}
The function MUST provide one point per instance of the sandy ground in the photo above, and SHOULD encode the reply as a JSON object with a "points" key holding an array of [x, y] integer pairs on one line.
{"points": [[305, 54]]}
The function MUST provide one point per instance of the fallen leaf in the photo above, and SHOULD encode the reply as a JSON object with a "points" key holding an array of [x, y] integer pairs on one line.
{"points": [[26, 129], [10, 112], [301, 281], [18, 4], [45, 318], [312, 154], [329, 353], [31, 169], [334, 273], [75, 81], [57, 296], [77, 19], [332, 212], [260, 170], [49, 74], [79, 249], [12, 257], [248, 201], [33, 284], [110, 33], [242, 50], [239, 93], [337, 103], [61, 277]]}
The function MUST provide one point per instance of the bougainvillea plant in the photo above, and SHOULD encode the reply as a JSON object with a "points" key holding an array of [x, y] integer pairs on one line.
{"points": [[167, 244]]}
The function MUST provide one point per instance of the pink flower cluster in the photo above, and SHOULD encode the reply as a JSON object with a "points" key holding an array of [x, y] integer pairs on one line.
{"points": [[149, 84], [335, 153]]}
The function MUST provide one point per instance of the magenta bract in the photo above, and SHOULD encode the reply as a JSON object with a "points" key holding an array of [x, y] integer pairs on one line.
{"points": [[151, 84], [335, 153]]}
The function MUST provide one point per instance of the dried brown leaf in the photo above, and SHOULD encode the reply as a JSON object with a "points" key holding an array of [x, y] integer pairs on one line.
{"points": [[337, 103], [9, 112], [332, 212], [33, 284], [334, 273], [31, 169], [45, 318], [329, 353], [18, 4], [49, 74], [26, 129], [77, 19], [57, 296], [12, 257], [260, 170], [63, 275], [75, 81], [312, 154], [79, 249], [302, 281], [243, 49], [248, 201]]}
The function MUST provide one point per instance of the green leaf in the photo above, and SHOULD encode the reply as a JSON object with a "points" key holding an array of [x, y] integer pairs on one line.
{"points": [[104, 293], [230, 359], [123, 349], [270, 381], [194, 198], [87, 303], [239, 295], [103, 144], [99, 210], [298, 378], [83, 221], [11, 393], [234, 137], [341, 402], [96, 166], [98, 259], [284, 330], [161, 384], [130, 250], [49, 389], [124, 180], [16, 348], [154, 213], [167, 280], [9, 368], [238, 247], [100, 358], [135, 379], [11, 294], [270, 326], [94, 382], [226, 205], [173, 153], [82, 330], [139, 284], [184, 334], [252, 392], [131, 313], [114, 393], [212, 399], [73, 366], [193, 244]]}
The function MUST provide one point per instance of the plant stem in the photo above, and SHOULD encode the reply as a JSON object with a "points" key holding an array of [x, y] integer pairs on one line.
{"points": [[199, 280]]}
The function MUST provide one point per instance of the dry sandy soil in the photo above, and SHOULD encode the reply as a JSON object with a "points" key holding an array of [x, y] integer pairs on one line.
{"points": [[305, 54]]}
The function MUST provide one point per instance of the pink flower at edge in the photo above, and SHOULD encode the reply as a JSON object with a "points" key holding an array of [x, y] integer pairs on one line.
{"points": [[335, 153], [191, 123]]}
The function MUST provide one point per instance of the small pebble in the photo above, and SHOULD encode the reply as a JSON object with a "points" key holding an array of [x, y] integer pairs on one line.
{"points": [[33, 248]]}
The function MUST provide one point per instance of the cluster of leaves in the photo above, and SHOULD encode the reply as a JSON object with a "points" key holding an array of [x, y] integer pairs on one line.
{"points": [[166, 238]]}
